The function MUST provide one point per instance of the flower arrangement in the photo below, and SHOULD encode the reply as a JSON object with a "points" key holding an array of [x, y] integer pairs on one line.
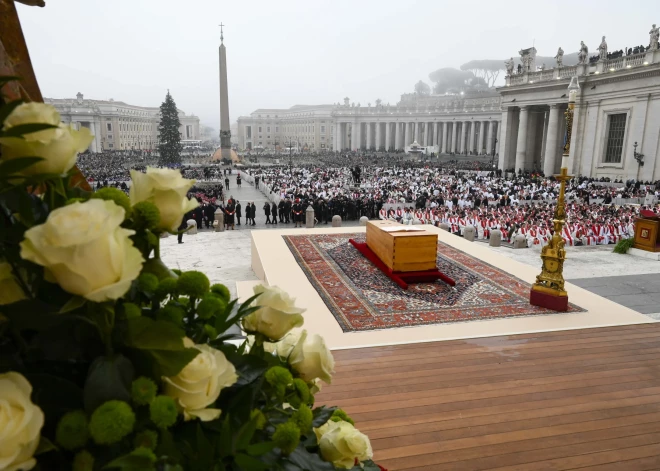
{"points": [[113, 361]]}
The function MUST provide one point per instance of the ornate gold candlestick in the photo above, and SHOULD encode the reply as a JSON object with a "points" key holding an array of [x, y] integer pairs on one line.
{"points": [[548, 291]]}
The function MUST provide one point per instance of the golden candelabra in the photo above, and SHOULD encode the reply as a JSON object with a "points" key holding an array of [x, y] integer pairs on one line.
{"points": [[548, 291]]}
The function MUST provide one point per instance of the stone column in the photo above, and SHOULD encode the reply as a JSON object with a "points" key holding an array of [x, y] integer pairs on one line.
{"points": [[445, 127], [387, 136], [454, 136], [473, 132], [436, 131], [397, 136], [358, 136], [369, 135], [378, 136], [406, 134], [482, 137], [552, 141], [489, 140], [461, 144], [521, 146]]}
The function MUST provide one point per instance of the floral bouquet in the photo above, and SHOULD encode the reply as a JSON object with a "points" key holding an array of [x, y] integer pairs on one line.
{"points": [[110, 360]]}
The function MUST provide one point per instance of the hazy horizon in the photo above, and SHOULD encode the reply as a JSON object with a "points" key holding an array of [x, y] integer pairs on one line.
{"points": [[295, 52]]}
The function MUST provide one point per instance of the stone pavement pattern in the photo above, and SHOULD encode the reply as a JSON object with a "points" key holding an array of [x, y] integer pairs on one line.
{"points": [[226, 258]]}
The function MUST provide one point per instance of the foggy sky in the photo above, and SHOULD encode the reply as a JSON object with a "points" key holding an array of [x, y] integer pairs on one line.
{"points": [[287, 52]]}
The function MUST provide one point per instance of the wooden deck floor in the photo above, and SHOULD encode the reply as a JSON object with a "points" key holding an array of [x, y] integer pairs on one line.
{"points": [[582, 399]]}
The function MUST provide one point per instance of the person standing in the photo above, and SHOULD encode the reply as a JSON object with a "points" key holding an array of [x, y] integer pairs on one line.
{"points": [[273, 211], [226, 183], [287, 210], [238, 180], [280, 209], [238, 212], [230, 210], [266, 209], [253, 212], [184, 225], [209, 212], [297, 210]]}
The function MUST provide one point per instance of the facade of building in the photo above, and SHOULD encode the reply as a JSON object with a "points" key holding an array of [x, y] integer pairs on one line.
{"points": [[617, 117], [119, 126], [305, 127]]}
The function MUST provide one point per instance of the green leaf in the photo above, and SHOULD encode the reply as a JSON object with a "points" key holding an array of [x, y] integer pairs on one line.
{"points": [[205, 451], [261, 448], [7, 109], [322, 415], [22, 129], [72, 304], [11, 166], [309, 461], [109, 378], [170, 363], [224, 440], [147, 334], [245, 434], [167, 447], [249, 463], [131, 463], [45, 446]]}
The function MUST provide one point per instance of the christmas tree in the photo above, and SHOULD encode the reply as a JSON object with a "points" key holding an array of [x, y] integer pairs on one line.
{"points": [[168, 133]]}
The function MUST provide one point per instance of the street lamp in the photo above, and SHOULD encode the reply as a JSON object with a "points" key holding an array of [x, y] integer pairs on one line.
{"points": [[548, 291]]}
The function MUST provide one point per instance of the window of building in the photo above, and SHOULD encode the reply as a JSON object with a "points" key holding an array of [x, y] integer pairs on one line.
{"points": [[109, 136], [268, 129], [322, 129], [267, 137], [259, 128], [277, 129], [110, 146], [616, 127], [109, 125]]}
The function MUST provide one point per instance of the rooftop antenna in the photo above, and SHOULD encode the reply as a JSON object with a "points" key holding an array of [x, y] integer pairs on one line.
{"points": [[221, 35]]}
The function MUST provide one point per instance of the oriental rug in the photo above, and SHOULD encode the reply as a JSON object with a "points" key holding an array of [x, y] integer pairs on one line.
{"points": [[362, 298]]}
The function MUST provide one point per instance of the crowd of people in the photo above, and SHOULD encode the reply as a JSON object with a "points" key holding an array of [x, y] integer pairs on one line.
{"points": [[456, 193]]}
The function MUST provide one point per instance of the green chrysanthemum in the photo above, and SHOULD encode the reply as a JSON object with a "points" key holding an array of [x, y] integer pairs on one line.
{"points": [[144, 452], [83, 461], [163, 411], [111, 422], [72, 430], [339, 415], [166, 287], [303, 418], [146, 439], [261, 418], [287, 437], [222, 291], [301, 393], [132, 310], [146, 215], [193, 283], [209, 306], [114, 194], [147, 282], [143, 391], [278, 376], [171, 313]]}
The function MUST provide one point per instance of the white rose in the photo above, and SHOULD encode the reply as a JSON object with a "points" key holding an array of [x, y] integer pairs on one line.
{"points": [[58, 146], [20, 423], [85, 251], [198, 385], [167, 190], [10, 290], [277, 315], [311, 358], [343, 444]]}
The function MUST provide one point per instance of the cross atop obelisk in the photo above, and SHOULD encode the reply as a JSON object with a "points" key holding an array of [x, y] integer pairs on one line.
{"points": [[225, 132]]}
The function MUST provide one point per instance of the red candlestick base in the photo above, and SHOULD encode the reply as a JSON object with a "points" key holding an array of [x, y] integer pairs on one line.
{"points": [[548, 301]]}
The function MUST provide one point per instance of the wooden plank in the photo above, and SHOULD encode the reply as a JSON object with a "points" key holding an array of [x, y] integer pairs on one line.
{"points": [[582, 399]]}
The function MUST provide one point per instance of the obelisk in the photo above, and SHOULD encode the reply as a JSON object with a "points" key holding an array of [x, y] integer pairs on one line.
{"points": [[225, 132]]}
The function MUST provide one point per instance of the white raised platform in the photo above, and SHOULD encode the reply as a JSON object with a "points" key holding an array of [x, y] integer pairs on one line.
{"points": [[644, 254], [273, 262]]}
